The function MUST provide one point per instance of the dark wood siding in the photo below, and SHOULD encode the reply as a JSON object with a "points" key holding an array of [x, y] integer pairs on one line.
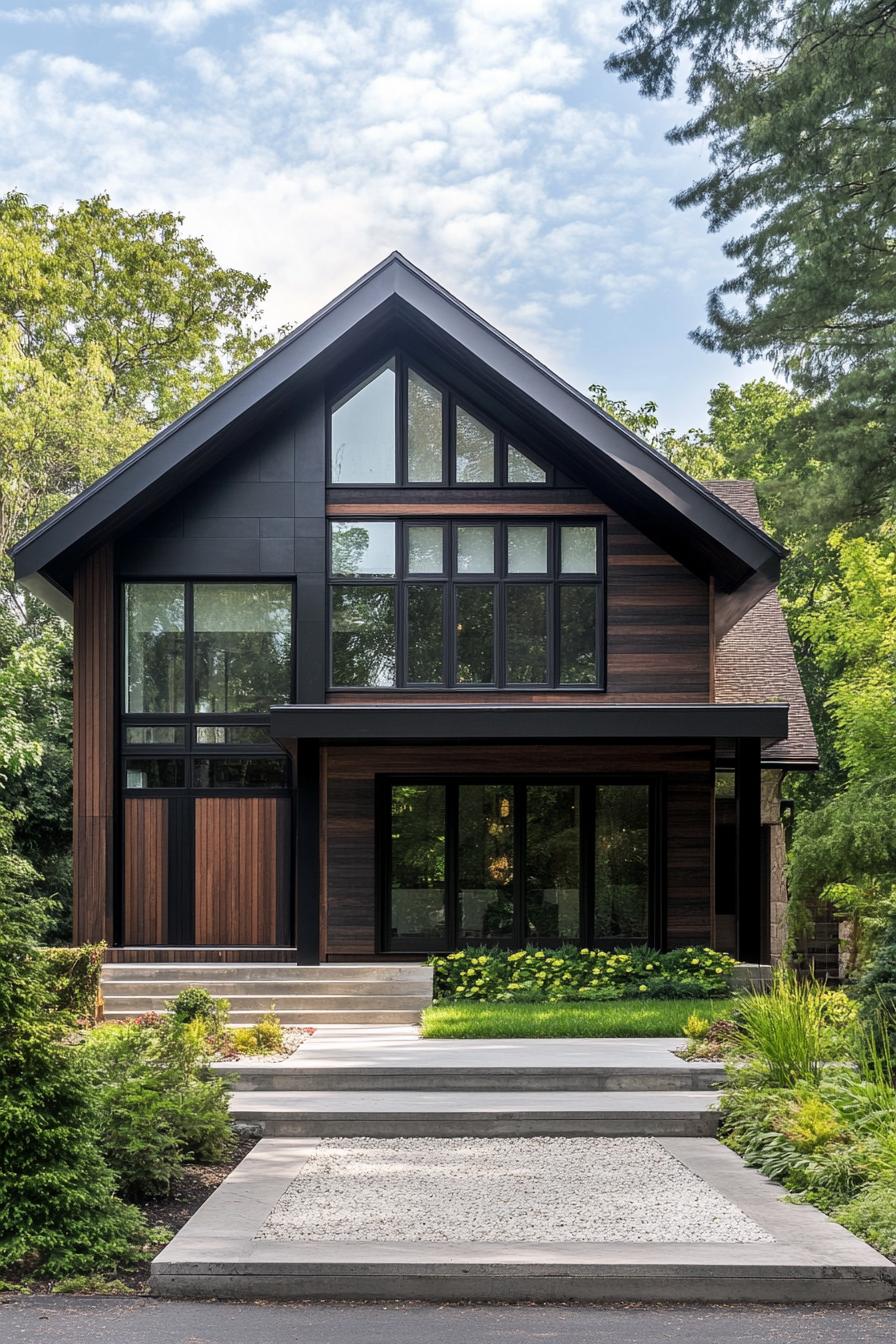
{"points": [[349, 871], [240, 882], [94, 747], [145, 884]]}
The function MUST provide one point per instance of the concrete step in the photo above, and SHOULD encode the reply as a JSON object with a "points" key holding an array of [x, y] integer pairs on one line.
{"points": [[268, 989], [453, 1114], [320, 1017], [199, 972], [242, 1004], [310, 1076]]}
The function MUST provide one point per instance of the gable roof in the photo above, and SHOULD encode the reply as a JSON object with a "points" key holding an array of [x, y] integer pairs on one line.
{"points": [[689, 520], [754, 661]]}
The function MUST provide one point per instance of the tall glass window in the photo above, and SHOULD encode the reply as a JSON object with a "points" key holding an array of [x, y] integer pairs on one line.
{"points": [[553, 887], [154, 648], [242, 647], [424, 430], [485, 863], [416, 915], [362, 431], [622, 863]]}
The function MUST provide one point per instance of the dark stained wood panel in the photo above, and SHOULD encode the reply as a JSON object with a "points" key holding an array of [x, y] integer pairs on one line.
{"points": [[350, 861], [689, 860], [131, 955], [93, 728], [145, 884], [239, 870]]}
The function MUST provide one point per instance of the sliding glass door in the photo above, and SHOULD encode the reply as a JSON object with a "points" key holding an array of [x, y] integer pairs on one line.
{"points": [[514, 863]]}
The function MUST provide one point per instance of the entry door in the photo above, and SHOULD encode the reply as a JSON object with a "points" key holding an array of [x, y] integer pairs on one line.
{"points": [[510, 863]]}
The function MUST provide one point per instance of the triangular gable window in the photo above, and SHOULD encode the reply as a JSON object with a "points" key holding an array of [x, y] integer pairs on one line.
{"points": [[521, 470]]}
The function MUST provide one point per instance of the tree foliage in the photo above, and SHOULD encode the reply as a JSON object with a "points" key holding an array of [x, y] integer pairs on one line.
{"points": [[796, 103]]}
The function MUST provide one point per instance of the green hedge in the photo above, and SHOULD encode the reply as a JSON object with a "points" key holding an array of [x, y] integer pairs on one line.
{"points": [[571, 974], [74, 978]]}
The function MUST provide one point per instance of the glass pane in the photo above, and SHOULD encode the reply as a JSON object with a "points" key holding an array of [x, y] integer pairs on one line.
{"points": [[475, 634], [417, 889], [485, 863], [362, 432], [424, 430], [475, 449], [527, 550], [621, 862], [239, 772], [527, 633], [521, 470], [154, 648], [425, 633], [578, 550], [578, 634], [154, 735], [232, 734], [552, 862], [475, 550], [362, 548], [242, 646], [425, 550], [363, 635], [154, 772]]}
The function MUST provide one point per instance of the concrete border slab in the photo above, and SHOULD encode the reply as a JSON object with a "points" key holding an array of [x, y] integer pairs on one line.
{"points": [[811, 1259]]}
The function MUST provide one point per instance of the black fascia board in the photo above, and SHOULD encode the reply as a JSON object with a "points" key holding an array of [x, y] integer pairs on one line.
{"points": [[158, 467], [524, 723]]}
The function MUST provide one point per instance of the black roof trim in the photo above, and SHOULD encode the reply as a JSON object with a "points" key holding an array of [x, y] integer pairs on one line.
{"points": [[394, 283], [514, 722]]}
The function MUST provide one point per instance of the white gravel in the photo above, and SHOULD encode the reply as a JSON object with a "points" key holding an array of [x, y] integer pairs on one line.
{"points": [[480, 1189]]}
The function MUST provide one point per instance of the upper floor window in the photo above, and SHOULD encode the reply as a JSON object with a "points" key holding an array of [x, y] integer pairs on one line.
{"points": [[467, 603], [400, 426], [206, 648]]}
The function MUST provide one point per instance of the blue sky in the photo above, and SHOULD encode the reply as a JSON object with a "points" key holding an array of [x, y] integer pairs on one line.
{"points": [[482, 138]]}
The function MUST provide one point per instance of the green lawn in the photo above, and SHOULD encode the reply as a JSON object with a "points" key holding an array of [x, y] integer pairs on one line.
{"points": [[622, 1017]]}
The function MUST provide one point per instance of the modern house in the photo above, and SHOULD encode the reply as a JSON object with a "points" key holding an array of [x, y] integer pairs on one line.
{"points": [[397, 644]]}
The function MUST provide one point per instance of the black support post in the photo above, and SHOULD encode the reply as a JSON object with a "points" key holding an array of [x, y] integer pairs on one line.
{"points": [[748, 804], [308, 854]]}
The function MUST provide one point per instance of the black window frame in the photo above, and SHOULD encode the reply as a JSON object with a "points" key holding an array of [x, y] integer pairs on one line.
{"points": [[450, 401], [451, 580], [518, 781], [190, 719]]}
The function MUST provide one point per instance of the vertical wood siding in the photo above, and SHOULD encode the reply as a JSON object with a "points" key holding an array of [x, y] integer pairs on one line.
{"points": [[238, 870], [689, 851], [93, 747], [145, 871]]}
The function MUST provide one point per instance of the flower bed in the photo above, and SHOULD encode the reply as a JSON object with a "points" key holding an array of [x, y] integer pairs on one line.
{"points": [[575, 975]]}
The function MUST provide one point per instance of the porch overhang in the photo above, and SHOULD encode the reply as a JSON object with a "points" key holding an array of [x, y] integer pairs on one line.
{"points": [[524, 723]]}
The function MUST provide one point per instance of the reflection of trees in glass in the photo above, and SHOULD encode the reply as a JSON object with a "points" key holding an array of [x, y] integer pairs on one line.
{"points": [[475, 449], [242, 646], [578, 634], [424, 430], [362, 548], [154, 635], [425, 633], [526, 636], [552, 861], [485, 861], [362, 622], [521, 470], [475, 634], [418, 862], [622, 875]]}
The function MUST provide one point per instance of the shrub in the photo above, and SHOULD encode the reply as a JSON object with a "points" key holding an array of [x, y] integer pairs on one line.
{"points": [[155, 1108], [567, 974], [74, 978], [872, 1214], [58, 1209], [264, 1038], [876, 989], [696, 1028], [192, 1003]]}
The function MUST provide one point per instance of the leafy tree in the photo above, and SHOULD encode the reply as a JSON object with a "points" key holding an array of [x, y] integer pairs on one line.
{"points": [[796, 104]]}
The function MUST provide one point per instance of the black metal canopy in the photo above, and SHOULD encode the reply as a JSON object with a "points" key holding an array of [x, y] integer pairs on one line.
{"points": [[677, 511], [523, 723]]}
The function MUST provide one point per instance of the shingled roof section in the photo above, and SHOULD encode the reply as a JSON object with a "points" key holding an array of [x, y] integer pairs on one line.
{"points": [[754, 661]]}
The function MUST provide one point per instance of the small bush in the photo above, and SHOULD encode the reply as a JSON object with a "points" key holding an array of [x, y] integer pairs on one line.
{"points": [[264, 1038], [73, 975], [784, 1029], [697, 1028], [155, 1108], [872, 1215], [876, 989], [576, 975], [192, 1003]]}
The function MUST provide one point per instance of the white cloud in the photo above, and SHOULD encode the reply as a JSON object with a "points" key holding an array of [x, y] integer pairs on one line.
{"points": [[476, 137], [169, 18]]}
